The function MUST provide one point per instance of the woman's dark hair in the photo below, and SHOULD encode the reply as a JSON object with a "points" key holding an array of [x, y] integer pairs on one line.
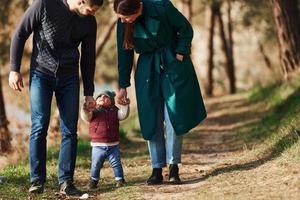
{"points": [[127, 7]]}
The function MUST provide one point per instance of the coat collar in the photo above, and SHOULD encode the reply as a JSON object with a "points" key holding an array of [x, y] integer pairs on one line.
{"points": [[148, 22], [149, 9]]}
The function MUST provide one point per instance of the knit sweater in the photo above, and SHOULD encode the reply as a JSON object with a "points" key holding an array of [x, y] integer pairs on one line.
{"points": [[58, 32]]}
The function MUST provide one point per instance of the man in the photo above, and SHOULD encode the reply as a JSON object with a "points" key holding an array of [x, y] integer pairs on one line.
{"points": [[59, 27]]}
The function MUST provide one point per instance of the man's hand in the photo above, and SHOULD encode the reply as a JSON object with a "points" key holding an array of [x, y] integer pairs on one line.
{"points": [[179, 57], [122, 97], [15, 81], [89, 103]]}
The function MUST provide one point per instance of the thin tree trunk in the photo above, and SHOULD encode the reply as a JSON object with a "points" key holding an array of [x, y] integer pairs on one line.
{"points": [[265, 56], [231, 67], [105, 36], [287, 20], [5, 135], [230, 38], [210, 60], [225, 47]]}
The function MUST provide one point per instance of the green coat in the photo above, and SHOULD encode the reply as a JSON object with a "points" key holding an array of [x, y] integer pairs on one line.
{"points": [[159, 33]]}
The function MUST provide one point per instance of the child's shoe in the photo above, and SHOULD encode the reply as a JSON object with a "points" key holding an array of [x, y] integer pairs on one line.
{"points": [[120, 183], [93, 184]]}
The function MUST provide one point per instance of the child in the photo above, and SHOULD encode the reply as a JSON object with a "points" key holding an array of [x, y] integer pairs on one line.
{"points": [[104, 131]]}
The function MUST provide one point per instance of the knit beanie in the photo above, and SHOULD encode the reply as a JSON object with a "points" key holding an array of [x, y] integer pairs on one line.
{"points": [[109, 94]]}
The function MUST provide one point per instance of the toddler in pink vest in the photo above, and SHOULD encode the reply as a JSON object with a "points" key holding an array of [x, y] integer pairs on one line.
{"points": [[104, 132]]}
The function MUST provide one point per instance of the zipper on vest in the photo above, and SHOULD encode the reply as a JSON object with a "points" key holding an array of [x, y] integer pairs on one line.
{"points": [[106, 119]]}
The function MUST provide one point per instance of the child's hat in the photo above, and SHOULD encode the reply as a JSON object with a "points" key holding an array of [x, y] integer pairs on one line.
{"points": [[109, 94]]}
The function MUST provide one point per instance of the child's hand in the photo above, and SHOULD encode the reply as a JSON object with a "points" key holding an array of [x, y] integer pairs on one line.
{"points": [[89, 104], [126, 101], [122, 97]]}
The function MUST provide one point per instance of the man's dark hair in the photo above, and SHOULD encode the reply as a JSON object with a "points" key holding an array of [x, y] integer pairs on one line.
{"points": [[96, 2]]}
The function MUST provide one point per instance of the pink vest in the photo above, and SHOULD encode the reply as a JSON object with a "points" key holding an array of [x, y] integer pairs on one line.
{"points": [[104, 125]]}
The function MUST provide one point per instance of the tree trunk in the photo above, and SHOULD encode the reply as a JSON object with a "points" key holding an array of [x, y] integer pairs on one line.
{"points": [[286, 16], [5, 136], [105, 36], [187, 9], [210, 60], [226, 50], [231, 76], [230, 37]]}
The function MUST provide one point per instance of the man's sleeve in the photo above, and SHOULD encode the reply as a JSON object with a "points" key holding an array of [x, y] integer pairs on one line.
{"points": [[88, 59], [29, 22]]}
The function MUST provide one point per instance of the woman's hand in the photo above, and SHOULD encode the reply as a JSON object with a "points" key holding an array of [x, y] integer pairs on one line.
{"points": [[122, 97], [179, 57]]}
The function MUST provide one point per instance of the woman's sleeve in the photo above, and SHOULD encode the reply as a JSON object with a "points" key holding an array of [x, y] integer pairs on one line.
{"points": [[125, 58], [182, 27]]}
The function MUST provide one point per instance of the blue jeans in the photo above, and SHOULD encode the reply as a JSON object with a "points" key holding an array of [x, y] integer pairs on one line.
{"points": [[99, 154], [66, 89], [165, 146]]}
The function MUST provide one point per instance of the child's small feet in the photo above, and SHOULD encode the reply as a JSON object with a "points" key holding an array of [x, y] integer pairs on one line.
{"points": [[93, 184], [120, 183]]}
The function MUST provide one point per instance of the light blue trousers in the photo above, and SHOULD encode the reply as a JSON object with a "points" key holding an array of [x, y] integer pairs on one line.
{"points": [[165, 146], [112, 153]]}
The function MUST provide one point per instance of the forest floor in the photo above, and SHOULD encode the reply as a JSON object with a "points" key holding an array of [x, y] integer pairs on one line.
{"points": [[247, 148]]}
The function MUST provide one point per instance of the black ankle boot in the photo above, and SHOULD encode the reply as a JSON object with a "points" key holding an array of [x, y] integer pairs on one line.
{"points": [[174, 174], [156, 177]]}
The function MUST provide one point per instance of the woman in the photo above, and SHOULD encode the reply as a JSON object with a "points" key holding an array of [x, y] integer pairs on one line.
{"points": [[168, 95]]}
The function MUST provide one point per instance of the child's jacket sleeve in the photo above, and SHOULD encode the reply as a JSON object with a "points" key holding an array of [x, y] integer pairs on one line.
{"points": [[86, 115], [123, 112]]}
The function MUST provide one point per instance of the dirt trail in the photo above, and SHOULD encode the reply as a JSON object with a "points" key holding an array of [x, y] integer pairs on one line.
{"points": [[211, 146]]}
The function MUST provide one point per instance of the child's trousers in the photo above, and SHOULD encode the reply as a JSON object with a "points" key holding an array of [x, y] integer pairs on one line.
{"points": [[112, 153]]}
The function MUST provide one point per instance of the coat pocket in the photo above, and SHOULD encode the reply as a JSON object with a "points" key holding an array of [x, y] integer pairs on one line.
{"points": [[179, 72], [174, 66]]}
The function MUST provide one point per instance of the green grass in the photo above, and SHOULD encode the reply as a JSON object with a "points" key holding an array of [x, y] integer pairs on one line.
{"points": [[17, 183], [279, 130], [17, 176], [275, 93], [283, 108]]}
